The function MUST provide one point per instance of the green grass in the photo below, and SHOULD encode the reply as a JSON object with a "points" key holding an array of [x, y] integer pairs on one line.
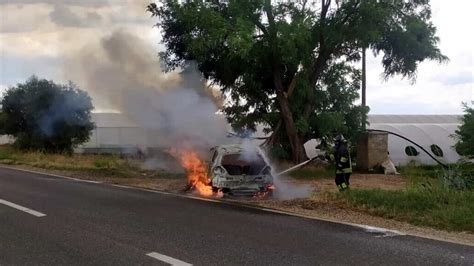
{"points": [[416, 173], [440, 208], [427, 201]]}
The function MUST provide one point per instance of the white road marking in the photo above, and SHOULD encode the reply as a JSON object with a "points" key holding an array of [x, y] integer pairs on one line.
{"points": [[167, 259], [385, 232], [79, 180], [21, 208]]}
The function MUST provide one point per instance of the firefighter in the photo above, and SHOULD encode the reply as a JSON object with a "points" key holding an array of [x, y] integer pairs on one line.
{"points": [[340, 155]]}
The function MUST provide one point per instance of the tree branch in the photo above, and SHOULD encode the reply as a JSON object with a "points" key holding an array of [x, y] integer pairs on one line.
{"points": [[320, 62], [292, 85], [271, 139], [261, 27], [325, 4]]}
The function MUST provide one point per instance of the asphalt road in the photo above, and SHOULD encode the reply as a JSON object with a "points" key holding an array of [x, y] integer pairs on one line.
{"points": [[98, 224]]}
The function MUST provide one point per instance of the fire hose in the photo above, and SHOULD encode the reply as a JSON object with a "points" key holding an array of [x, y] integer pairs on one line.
{"points": [[297, 166]]}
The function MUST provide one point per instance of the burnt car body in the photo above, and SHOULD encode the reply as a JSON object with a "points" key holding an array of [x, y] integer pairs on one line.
{"points": [[238, 171]]}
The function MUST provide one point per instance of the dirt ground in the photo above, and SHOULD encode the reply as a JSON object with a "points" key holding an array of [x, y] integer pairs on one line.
{"points": [[368, 181], [317, 205]]}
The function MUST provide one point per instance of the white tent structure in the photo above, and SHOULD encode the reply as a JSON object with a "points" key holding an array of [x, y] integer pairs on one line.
{"points": [[5, 140], [115, 133], [432, 132]]}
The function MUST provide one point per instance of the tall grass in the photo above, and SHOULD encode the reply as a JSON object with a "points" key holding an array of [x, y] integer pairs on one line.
{"points": [[435, 197], [439, 207], [114, 165], [87, 165]]}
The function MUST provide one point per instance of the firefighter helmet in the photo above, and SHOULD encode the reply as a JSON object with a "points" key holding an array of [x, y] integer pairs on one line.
{"points": [[339, 139]]}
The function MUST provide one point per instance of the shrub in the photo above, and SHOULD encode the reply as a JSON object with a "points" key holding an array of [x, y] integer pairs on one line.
{"points": [[465, 134], [45, 116]]}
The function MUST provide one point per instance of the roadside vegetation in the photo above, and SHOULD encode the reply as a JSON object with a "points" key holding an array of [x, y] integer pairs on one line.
{"points": [[465, 133], [434, 197], [90, 165]]}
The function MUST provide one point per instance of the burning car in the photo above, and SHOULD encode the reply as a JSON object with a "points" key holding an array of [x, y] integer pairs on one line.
{"points": [[236, 170]]}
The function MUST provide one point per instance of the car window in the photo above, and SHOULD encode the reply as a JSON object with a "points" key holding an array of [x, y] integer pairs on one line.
{"points": [[237, 164]]}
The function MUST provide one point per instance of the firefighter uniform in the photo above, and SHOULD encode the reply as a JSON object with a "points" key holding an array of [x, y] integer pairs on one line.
{"points": [[340, 155]]}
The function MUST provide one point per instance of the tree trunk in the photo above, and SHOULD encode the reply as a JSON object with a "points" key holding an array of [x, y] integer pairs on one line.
{"points": [[297, 148]]}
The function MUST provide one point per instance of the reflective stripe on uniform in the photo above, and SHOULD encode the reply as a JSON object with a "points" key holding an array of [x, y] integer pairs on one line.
{"points": [[344, 159], [347, 171]]}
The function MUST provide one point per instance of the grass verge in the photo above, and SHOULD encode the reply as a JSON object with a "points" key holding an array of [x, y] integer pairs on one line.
{"points": [[93, 164], [439, 208], [428, 200]]}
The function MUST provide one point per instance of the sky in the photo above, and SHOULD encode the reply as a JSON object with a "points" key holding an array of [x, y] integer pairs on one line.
{"points": [[49, 38]]}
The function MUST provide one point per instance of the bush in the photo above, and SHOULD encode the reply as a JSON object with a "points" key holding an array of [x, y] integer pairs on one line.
{"points": [[465, 134], [458, 177], [45, 116]]}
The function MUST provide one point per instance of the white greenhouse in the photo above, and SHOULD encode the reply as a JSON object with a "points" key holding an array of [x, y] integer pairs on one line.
{"points": [[115, 133], [432, 132]]}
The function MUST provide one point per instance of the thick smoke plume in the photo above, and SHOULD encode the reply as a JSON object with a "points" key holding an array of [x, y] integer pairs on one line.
{"points": [[123, 73]]}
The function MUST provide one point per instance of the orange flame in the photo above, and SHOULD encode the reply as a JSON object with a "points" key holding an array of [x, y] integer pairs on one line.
{"points": [[196, 170]]}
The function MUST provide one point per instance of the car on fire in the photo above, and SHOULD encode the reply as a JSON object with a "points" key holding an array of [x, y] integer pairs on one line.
{"points": [[237, 170]]}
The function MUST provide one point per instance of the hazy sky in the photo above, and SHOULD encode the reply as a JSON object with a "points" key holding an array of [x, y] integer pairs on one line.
{"points": [[44, 37]]}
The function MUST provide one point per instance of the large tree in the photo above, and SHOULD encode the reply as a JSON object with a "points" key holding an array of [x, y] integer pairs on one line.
{"points": [[45, 116], [285, 64]]}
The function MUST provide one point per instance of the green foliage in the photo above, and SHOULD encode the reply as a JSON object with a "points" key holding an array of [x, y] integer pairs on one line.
{"points": [[465, 133], [458, 177], [45, 116], [2, 123], [266, 55]]}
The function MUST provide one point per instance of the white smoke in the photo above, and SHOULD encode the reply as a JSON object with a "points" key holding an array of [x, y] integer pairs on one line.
{"points": [[123, 73], [283, 190]]}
